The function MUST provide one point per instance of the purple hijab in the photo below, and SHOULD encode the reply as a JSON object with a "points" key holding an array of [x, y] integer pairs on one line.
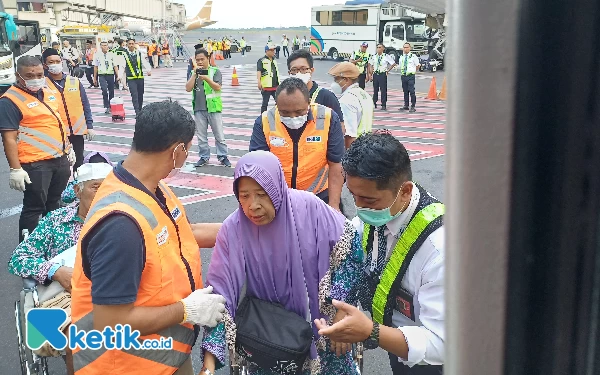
{"points": [[275, 259], [94, 153]]}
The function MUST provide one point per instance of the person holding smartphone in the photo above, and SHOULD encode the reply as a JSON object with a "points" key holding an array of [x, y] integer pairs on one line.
{"points": [[205, 86]]}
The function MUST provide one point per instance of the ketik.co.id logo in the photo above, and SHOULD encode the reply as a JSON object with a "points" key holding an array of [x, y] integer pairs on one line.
{"points": [[43, 325]]}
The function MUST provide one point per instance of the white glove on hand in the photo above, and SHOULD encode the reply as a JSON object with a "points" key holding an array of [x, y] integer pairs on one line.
{"points": [[72, 158], [18, 178], [90, 135], [204, 308]]}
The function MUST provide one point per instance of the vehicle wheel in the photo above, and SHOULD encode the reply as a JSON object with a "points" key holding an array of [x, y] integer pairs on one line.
{"points": [[20, 344], [234, 48], [334, 54]]}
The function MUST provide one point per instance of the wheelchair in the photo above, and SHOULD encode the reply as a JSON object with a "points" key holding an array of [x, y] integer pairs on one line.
{"points": [[239, 367]]}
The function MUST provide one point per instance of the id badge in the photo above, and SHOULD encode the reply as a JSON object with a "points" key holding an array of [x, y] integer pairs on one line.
{"points": [[404, 304]]}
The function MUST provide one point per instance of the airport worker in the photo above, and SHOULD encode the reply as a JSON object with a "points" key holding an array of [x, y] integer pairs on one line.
{"points": [[380, 65], [90, 51], [105, 71], [409, 64], [243, 46], [267, 75], [134, 74], [361, 58], [166, 55]]}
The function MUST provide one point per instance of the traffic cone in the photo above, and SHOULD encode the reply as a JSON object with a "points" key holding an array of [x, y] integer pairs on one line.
{"points": [[432, 95], [212, 60], [234, 78], [443, 92]]}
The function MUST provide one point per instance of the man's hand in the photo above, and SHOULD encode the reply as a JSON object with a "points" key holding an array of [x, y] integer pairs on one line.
{"points": [[352, 328], [64, 275], [260, 86], [71, 156], [204, 78], [18, 178], [204, 308], [338, 347], [90, 135], [149, 73]]}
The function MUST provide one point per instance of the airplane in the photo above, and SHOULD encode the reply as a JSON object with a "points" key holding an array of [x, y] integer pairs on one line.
{"points": [[202, 19], [138, 27]]}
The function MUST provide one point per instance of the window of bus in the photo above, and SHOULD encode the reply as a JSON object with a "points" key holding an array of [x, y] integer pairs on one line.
{"points": [[324, 18], [362, 16]]}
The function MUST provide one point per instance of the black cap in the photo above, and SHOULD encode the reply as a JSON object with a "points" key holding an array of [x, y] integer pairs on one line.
{"points": [[198, 46], [49, 52]]}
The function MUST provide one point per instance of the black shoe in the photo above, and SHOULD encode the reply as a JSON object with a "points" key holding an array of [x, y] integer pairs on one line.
{"points": [[225, 162], [405, 108], [201, 163], [383, 108], [375, 105], [412, 110], [107, 111]]}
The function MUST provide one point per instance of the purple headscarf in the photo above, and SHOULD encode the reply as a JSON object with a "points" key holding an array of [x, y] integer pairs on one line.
{"points": [[94, 153], [276, 259]]}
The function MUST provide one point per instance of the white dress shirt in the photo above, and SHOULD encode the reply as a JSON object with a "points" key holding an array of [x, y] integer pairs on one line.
{"points": [[381, 63], [412, 61], [424, 279], [352, 111]]}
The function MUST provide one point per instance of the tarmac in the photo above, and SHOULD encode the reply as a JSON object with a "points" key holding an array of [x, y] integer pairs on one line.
{"points": [[207, 191]]}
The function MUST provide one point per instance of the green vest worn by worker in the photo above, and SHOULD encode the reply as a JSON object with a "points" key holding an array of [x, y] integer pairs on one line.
{"points": [[363, 59], [213, 98], [368, 109], [266, 80], [242, 43], [386, 290]]}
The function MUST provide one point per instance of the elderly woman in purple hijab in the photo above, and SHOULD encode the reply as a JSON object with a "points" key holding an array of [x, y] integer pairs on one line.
{"points": [[282, 244], [68, 195]]}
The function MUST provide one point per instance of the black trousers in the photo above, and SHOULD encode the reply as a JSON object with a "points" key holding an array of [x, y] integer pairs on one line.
{"points": [[107, 83], [362, 80], [48, 180], [380, 83], [408, 86], [77, 143], [136, 89], [398, 368], [286, 51], [265, 99], [116, 80], [89, 74]]}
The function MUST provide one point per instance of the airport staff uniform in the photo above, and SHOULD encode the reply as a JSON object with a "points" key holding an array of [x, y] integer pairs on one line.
{"points": [[107, 70], [358, 109], [149, 236], [304, 153], [75, 112], [43, 146], [363, 60], [408, 68], [269, 78], [134, 75], [414, 301], [381, 65]]}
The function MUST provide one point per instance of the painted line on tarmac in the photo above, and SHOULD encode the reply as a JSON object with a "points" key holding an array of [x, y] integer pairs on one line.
{"points": [[7, 212]]}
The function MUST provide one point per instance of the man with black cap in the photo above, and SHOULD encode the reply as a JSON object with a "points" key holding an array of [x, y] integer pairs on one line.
{"points": [[361, 58], [73, 103]]}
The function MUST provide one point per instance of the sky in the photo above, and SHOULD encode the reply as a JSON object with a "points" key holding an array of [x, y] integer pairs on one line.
{"points": [[251, 13]]}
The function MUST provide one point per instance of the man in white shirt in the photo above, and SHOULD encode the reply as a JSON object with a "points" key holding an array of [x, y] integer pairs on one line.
{"points": [[71, 55], [409, 63], [402, 283], [380, 65], [105, 71], [285, 43]]}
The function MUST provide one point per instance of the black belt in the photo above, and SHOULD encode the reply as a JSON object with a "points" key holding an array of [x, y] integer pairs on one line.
{"points": [[380, 73]]}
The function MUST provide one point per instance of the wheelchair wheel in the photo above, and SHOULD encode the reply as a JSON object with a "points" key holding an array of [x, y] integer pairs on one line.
{"points": [[358, 356], [21, 339]]}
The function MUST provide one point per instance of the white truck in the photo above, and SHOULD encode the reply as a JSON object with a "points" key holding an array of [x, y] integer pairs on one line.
{"points": [[339, 30]]}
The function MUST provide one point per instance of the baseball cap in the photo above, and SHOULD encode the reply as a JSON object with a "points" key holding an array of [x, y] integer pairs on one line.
{"points": [[93, 171], [344, 69], [269, 46], [364, 44]]}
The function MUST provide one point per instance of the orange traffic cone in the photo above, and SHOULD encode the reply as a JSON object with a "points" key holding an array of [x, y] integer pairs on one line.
{"points": [[234, 78], [432, 95], [443, 92], [212, 60]]}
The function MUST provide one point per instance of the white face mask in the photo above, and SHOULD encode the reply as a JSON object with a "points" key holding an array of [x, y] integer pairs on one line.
{"points": [[175, 171], [294, 122], [55, 68], [336, 89], [34, 85], [305, 77]]}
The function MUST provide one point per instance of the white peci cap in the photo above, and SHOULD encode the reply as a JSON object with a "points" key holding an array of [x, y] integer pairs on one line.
{"points": [[93, 171]]}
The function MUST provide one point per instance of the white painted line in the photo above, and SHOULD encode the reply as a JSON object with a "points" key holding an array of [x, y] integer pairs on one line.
{"points": [[7, 212]]}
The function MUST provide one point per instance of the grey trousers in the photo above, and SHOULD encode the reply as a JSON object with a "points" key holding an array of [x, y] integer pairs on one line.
{"points": [[215, 120]]}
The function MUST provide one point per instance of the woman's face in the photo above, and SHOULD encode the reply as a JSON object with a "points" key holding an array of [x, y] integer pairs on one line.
{"points": [[255, 202]]}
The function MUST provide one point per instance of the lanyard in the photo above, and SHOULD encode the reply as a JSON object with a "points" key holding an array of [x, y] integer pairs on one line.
{"points": [[375, 250]]}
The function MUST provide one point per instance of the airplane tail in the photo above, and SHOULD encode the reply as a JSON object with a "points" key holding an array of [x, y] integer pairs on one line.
{"points": [[205, 11]]}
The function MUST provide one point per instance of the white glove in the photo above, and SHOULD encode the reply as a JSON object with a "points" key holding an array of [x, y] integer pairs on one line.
{"points": [[18, 178], [72, 158], [90, 135], [204, 308]]}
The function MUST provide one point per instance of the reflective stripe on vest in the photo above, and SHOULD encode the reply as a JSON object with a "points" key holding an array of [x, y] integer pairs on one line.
{"points": [[312, 166], [314, 95], [368, 110], [412, 232], [172, 270], [267, 79], [139, 74], [362, 58], [42, 134], [71, 106]]}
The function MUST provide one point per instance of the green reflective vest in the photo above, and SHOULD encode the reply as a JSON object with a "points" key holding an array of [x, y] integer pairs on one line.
{"points": [[213, 98], [425, 220], [368, 109], [266, 80], [363, 59], [134, 73]]}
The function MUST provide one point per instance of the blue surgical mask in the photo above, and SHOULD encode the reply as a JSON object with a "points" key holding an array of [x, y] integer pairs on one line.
{"points": [[378, 218]]}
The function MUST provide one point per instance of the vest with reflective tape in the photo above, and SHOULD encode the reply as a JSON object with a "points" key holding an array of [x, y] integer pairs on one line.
{"points": [[213, 98], [428, 217], [266, 80], [42, 133], [313, 98], [172, 270], [304, 163], [363, 59], [131, 72], [70, 106], [368, 109]]}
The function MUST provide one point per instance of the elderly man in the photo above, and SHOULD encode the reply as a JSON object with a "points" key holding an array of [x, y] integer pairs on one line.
{"points": [[307, 139], [57, 232]]}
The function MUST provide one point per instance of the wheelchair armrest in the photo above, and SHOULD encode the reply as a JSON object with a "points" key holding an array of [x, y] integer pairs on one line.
{"points": [[29, 283]]}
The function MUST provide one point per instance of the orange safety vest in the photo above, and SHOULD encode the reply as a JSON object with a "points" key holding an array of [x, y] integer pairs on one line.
{"points": [[71, 106], [171, 268], [151, 49], [42, 134], [310, 167], [165, 50]]}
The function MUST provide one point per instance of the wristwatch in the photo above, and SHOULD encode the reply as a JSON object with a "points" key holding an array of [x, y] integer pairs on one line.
{"points": [[372, 342], [206, 371]]}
